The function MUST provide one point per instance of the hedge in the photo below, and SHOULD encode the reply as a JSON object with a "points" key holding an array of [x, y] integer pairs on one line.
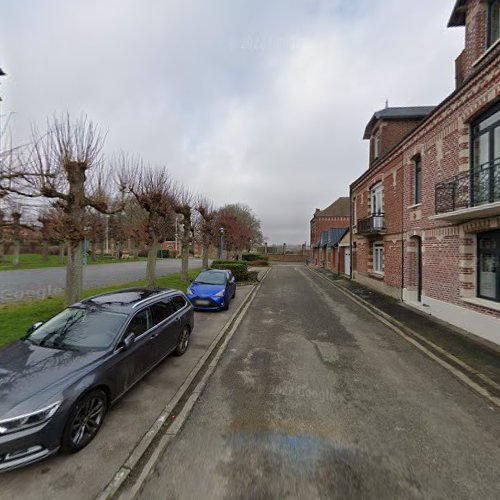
{"points": [[239, 269], [230, 263], [253, 256]]}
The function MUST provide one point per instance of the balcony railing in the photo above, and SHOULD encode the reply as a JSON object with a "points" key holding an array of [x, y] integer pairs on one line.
{"points": [[469, 189], [374, 224]]}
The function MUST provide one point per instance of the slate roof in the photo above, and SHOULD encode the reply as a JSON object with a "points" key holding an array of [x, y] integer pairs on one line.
{"points": [[397, 113], [324, 239], [339, 208], [458, 15], [335, 234]]}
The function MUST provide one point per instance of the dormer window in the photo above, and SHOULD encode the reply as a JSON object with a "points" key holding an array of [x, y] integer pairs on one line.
{"points": [[493, 21], [376, 144]]}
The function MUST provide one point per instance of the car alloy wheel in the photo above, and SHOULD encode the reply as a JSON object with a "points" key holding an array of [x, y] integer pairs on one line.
{"points": [[183, 342], [85, 421]]}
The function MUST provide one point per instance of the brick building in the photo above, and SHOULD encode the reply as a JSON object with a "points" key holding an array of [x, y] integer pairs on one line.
{"points": [[334, 216], [426, 213]]}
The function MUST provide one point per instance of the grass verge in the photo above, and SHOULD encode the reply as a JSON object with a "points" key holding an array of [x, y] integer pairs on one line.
{"points": [[35, 261], [16, 318]]}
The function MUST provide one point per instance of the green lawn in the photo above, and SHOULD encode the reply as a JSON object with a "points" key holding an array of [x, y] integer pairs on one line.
{"points": [[35, 261], [15, 319]]}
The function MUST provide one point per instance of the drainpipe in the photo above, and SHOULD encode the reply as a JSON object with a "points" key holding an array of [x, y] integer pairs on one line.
{"points": [[402, 233], [351, 234]]}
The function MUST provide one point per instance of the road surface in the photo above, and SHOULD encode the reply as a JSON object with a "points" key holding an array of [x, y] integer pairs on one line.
{"points": [[40, 283], [314, 398]]}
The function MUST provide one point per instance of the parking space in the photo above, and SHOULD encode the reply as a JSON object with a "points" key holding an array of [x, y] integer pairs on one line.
{"points": [[85, 474]]}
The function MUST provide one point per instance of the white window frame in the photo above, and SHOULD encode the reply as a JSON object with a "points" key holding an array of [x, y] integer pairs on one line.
{"points": [[377, 199], [376, 144], [378, 258]]}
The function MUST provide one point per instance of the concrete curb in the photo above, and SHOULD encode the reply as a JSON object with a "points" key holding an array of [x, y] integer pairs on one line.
{"points": [[142, 446], [468, 375]]}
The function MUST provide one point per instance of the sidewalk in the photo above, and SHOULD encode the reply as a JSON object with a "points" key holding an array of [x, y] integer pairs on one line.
{"points": [[477, 358]]}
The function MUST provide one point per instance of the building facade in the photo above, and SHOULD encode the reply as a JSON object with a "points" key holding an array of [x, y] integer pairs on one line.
{"points": [[426, 213], [334, 216]]}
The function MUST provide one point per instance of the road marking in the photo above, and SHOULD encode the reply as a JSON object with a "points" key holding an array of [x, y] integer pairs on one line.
{"points": [[454, 371]]}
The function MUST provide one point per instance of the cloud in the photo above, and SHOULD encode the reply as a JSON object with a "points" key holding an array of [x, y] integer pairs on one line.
{"points": [[256, 102]]}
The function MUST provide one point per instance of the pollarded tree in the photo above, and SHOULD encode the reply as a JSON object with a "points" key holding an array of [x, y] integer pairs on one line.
{"points": [[66, 167], [206, 226], [153, 191], [183, 206]]}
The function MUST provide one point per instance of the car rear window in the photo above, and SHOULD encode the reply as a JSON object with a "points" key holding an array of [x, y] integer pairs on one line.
{"points": [[178, 302], [161, 311]]}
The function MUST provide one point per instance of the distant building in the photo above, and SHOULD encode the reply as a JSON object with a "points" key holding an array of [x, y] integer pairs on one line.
{"points": [[334, 216], [426, 213]]}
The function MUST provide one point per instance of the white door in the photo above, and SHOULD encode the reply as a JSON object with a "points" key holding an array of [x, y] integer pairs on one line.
{"points": [[347, 261]]}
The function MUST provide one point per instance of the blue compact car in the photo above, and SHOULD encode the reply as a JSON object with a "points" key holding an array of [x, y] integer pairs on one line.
{"points": [[212, 290]]}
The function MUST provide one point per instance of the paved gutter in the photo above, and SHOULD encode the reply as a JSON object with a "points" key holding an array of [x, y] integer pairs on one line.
{"points": [[477, 359]]}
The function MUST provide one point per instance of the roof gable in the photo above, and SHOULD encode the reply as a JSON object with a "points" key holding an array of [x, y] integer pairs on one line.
{"points": [[397, 113], [339, 208]]}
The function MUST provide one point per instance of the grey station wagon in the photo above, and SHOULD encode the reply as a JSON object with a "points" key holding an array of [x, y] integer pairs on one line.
{"points": [[57, 383]]}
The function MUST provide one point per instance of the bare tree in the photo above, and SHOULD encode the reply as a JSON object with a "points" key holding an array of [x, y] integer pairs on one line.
{"points": [[184, 201], [66, 166], [153, 192], [207, 229]]}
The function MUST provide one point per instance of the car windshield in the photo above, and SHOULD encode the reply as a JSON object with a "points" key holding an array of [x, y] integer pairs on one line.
{"points": [[211, 278], [79, 329]]}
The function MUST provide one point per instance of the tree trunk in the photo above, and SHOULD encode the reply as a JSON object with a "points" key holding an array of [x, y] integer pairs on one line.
{"points": [[119, 249], [204, 256], [17, 251], [102, 244], [2, 251], [45, 251], [74, 273], [93, 250], [186, 237], [151, 264], [60, 258]]}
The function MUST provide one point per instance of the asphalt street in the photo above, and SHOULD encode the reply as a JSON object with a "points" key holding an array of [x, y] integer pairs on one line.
{"points": [[40, 283], [314, 398], [85, 474]]}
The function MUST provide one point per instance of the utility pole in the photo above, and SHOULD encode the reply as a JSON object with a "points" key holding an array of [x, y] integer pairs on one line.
{"points": [[221, 232]]}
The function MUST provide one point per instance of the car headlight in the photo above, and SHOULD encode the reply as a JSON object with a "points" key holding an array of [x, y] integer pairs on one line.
{"points": [[221, 293], [29, 419], [189, 291]]}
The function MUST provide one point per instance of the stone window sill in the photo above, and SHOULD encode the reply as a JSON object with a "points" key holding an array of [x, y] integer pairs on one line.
{"points": [[489, 304], [486, 52], [377, 276], [417, 205]]}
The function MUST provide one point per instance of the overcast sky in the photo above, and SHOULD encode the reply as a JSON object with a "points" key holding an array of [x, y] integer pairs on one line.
{"points": [[260, 102]]}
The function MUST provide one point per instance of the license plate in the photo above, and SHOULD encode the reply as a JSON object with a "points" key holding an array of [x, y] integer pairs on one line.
{"points": [[202, 302]]}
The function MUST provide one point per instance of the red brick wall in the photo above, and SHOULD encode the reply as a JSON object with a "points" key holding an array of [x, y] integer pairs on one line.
{"points": [[475, 33], [442, 141], [320, 224]]}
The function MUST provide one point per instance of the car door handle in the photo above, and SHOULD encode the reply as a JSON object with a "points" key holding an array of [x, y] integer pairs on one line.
{"points": [[177, 320], [153, 336]]}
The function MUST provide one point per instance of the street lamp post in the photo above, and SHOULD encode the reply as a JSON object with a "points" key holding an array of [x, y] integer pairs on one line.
{"points": [[221, 232], [2, 73]]}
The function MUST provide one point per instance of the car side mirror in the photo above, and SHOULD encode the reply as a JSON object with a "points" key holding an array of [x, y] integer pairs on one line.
{"points": [[128, 341], [33, 327]]}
